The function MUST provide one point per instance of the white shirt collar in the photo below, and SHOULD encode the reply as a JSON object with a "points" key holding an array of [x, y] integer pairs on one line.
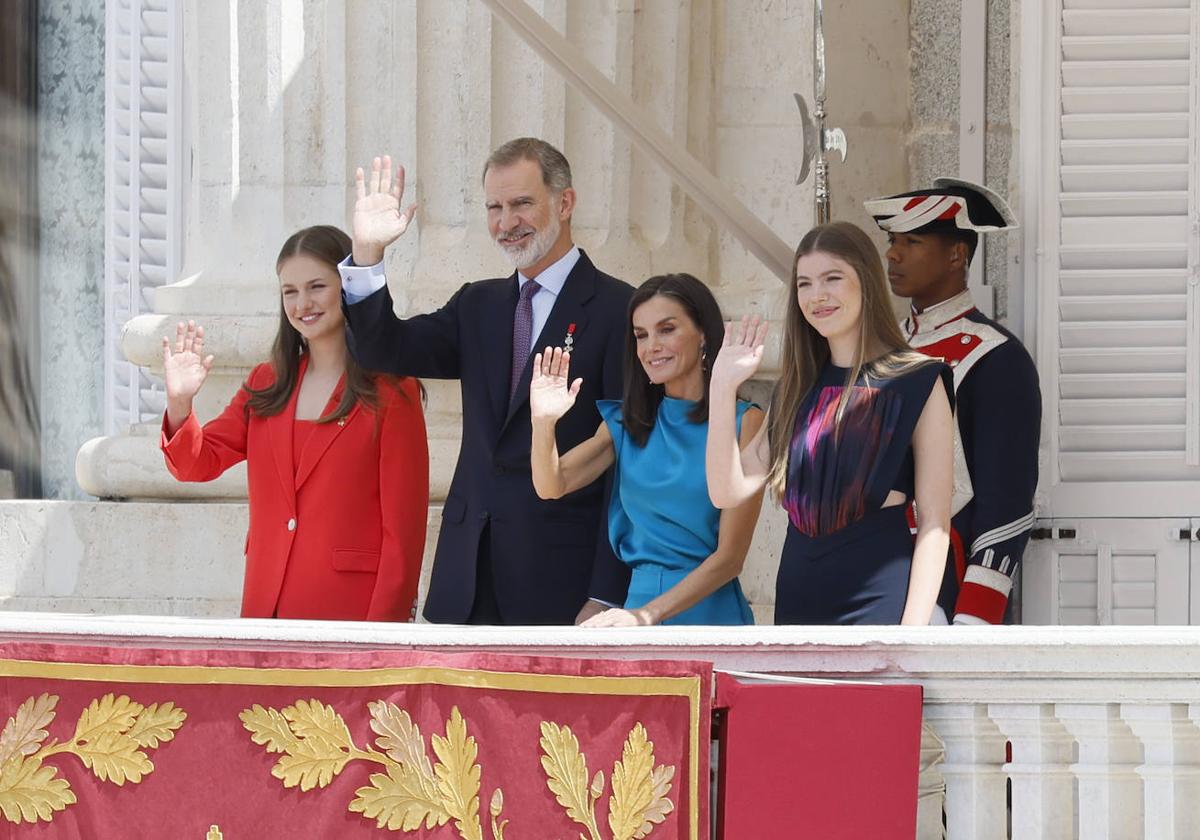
{"points": [[554, 276]]}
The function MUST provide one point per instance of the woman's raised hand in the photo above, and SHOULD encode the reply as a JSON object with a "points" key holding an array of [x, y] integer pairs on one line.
{"points": [[741, 352], [378, 221], [186, 367], [551, 392]]}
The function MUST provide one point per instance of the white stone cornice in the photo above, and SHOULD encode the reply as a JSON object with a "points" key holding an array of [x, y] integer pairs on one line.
{"points": [[1001, 664], [243, 340]]}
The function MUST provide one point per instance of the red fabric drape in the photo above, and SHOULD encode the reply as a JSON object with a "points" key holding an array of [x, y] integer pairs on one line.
{"points": [[287, 744]]}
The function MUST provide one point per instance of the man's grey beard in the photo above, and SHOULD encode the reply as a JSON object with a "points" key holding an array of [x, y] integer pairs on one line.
{"points": [[541, 243]]}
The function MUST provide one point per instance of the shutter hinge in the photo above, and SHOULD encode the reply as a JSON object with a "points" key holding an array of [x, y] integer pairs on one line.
{"points": [[1052, 534]]}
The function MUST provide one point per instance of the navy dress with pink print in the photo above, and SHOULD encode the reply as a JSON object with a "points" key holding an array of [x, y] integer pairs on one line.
{"points": [[846, 559]]}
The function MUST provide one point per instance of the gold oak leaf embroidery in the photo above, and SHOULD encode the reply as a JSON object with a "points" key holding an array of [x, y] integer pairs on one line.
{"points": [[639, 799], [316, 745], [458, 775], [101, 740], [26, 730], [156, 724], [407, 795], [108, 739], [30, 791], [566, 776], [312, 737], [268, 728]]}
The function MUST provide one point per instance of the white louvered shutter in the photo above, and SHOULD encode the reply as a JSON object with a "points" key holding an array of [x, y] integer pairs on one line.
{"points": [[142, 188], [1122, 377], [1111, 571]]}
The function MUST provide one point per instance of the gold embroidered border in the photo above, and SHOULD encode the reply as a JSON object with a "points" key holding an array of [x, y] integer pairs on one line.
{"points": [[688, 687]]}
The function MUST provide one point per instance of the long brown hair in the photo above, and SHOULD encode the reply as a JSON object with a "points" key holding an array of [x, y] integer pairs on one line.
{"points": [[639, 408], [882, 350], [329, 245]]}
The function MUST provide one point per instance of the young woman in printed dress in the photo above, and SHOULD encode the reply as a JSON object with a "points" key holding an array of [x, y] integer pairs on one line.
{"points": [[859, 427]]}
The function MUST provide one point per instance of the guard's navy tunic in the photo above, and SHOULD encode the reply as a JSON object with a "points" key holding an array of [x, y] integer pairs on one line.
{"points": [[998, 424]]}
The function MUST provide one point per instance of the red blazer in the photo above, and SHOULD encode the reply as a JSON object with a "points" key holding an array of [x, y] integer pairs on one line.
{"points": [[339, 536]]}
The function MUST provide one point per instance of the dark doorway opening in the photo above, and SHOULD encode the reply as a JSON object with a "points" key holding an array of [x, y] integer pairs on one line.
{"points": [[20, 473]]}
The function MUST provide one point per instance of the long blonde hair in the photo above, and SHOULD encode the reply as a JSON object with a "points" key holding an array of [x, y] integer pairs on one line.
{"points": [[806, 352]]}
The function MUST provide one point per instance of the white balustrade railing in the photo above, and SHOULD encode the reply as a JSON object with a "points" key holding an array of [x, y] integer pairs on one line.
{"points": [[1103, 723]]}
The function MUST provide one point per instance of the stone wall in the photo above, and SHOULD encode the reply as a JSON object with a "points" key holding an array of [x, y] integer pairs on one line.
{"points": [[934, 92], [868, 98], [127, 557]]}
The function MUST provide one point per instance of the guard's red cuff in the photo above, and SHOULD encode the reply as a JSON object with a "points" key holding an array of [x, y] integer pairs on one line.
{"points": [[982, 602]]}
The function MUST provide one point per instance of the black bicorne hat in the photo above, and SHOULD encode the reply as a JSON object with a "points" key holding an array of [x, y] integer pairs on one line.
{"points": [[951, 204]]}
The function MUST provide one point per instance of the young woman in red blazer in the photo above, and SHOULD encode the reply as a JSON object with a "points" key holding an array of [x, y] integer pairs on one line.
{"points": [[337, 459]]}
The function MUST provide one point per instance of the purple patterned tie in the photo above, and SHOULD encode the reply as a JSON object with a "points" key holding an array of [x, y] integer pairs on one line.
{"points": [[522, 334]]}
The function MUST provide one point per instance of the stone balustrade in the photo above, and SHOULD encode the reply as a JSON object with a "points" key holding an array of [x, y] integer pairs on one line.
{"points": [[1103, 722]]}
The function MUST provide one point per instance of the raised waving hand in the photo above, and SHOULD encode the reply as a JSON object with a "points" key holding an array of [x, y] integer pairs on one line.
{"points": [[741, 352], [185, 367], [551, 392], [378, 220]]}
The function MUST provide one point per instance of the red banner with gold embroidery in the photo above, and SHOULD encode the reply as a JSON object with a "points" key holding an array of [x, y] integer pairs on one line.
{"points": [[128, 742]]}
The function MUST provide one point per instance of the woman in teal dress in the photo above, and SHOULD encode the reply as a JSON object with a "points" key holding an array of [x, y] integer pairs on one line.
{"points": [[684, 554]]}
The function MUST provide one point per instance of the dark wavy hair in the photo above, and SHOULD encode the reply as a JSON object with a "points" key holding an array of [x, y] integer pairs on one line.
{"points": [[641, 399], [329, 245]]}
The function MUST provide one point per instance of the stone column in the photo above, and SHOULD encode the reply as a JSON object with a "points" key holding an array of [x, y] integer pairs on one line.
{"points": [[265, 116], [975, 791], [1040, 770], [1109, 790]]}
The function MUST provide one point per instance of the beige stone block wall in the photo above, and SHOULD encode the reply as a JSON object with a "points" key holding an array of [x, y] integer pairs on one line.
{"points": [[868, 97], [128, 557], [132, 558]]}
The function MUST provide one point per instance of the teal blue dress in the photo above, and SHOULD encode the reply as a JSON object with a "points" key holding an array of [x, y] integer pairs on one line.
{"points": [[660, 519]]}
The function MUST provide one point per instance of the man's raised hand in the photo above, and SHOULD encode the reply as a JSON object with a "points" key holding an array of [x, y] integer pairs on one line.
{"points": [[741, 352], [551, 392], [378, 221]]}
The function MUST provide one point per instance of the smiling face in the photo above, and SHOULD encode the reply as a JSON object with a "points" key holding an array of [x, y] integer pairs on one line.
{"points": [[669, 346], [829, 294], [312, 297], [529, 223]]}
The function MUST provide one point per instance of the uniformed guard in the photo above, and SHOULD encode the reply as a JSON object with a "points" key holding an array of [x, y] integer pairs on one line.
{"points": [[932, 236]]}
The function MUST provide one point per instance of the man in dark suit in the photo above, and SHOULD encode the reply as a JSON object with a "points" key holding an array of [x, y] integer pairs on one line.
{"points": [[504, 556]]}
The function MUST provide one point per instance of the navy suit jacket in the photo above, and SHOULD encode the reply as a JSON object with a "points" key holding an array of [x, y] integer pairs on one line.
{"points": [[547, 557]]}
